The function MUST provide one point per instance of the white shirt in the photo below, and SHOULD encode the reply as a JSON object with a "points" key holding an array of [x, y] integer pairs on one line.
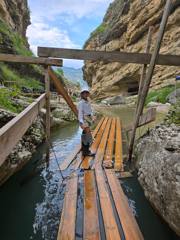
{"points": [[84, 109]]}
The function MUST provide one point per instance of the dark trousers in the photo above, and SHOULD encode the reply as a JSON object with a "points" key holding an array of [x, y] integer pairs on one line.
{"points": [[86, 140]]}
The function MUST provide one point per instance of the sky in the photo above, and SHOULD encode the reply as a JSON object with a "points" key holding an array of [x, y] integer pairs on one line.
{"points": [[64, 23]]}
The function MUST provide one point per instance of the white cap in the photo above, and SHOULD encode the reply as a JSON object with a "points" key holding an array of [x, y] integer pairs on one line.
{"points": [[84, 90]]}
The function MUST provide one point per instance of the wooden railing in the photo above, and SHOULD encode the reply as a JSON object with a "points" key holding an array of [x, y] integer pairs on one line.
{"points": [[14, 130]]}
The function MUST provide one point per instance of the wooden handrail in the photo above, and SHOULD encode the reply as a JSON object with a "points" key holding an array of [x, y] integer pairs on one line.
{"points": [[109, 56], [13, 131], [62, 91], [30, 60]]}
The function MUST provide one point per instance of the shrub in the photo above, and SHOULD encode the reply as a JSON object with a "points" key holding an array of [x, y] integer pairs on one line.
{"points": [[160, 95]]}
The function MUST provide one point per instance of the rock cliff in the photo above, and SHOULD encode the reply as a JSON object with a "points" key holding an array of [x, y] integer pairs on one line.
{"points": [[125, 28], [14, 19], [16, 14]]}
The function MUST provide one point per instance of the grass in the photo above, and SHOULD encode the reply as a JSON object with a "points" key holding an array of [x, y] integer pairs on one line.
{"points": [[100, 29], [160, 95], [6, 101], [18, 81]]}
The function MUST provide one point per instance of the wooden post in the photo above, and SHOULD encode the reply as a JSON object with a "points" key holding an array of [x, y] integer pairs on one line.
{"points": [[144, 68], [48, 111], [149, 74], [47, 88]]}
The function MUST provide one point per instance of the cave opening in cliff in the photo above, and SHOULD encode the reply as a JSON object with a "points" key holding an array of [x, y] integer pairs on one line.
{"points": [[133, 89]]}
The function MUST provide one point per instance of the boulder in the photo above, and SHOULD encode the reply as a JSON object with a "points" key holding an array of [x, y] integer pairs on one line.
{"points": [[172, 97], [160, 107], [159, 171], [116, 100]]}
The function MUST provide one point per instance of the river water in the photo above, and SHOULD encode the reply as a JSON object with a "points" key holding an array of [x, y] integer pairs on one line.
{"points": [[31, 200]]}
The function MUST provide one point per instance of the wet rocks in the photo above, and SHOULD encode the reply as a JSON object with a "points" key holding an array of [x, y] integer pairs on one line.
{"points": [[114, 100], [5, 116], [158, 161]]}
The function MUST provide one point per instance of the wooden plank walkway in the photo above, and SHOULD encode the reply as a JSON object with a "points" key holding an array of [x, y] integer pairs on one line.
{"points": [[106, 212]]}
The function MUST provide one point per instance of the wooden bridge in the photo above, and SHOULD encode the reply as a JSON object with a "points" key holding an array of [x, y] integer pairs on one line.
{"points": [[106, 210]]}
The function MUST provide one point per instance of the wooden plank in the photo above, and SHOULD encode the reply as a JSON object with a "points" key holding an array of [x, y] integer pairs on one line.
{"points": [[67, 161], [68, 217], [128, 222], [108, 56], [146, 118], [101, 149], [95, 144], [62, 91], [13, 131], [110, 225], [91, 222], [98, 127], [118, 164], [147, 81], [110, 146], [30, 60], [72, 156]]}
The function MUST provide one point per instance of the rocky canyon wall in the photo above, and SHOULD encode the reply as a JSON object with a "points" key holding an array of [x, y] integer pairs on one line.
{"points": [[125, 28]]}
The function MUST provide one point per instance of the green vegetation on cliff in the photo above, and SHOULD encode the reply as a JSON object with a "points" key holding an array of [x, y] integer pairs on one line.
{"points": [[12, 42], [13, 75], [6, 102], [160, 95], [100, 29]]}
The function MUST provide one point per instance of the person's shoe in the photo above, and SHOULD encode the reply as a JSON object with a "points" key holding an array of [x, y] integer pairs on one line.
{"points": [[90, 154]]}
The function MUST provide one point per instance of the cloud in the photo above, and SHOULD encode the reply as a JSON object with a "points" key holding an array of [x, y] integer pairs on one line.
{"points": [[55, 21], [76, 8], [42, 34]]}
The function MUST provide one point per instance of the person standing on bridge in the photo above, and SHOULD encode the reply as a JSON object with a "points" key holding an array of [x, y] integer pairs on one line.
{"points": [[86, 118]]}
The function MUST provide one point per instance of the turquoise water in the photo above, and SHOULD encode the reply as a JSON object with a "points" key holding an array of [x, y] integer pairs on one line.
{"points": [[31, 201]]}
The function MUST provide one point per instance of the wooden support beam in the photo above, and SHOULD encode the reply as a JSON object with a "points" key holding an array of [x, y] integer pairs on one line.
{"points": [[109, 56], [144, 68], [30, 60], [62, 91], [12, 132], [48, 110], [148, 78]]}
